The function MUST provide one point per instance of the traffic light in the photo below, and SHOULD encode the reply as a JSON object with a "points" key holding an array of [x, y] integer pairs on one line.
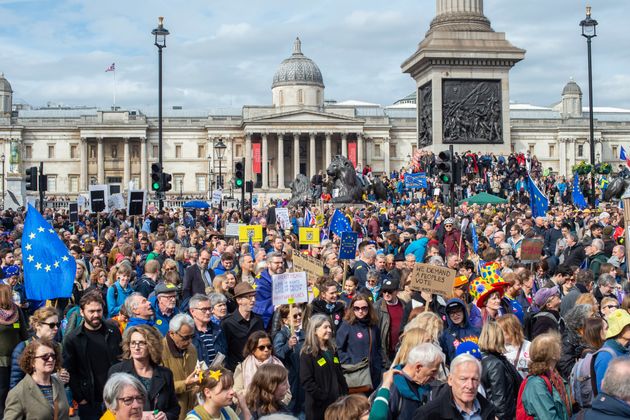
{"points": [[445, 167], [239, 173], [43, 182], [249, 186], [156, 177], [31, 178], [166, 182]]}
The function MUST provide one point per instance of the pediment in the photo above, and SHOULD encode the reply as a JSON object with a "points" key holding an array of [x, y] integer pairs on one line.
{"points": [[304, 117]]}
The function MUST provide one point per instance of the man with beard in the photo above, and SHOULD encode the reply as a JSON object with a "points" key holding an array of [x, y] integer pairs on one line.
{"points": [[88, 353], [264, 303]]}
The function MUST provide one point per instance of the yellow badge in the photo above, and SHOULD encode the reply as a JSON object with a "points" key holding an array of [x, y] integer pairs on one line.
{"points": [[16, 325], [158, 322], [321, 362], [336, 359]]}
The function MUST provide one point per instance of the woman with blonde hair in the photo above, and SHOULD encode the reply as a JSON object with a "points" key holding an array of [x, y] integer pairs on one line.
{"points": [[408, 340], [516, 347], [429, 321], [499, 377]]}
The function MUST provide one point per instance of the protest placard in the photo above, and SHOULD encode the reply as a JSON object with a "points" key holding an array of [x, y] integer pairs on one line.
{"points": [[98, 198], [282, 217], [74, 212], [348, 245], [309, 235], [247, 231], [432, 279], [232, 229], [313, 267], [136, 202], [289, 288], [531, 250]]}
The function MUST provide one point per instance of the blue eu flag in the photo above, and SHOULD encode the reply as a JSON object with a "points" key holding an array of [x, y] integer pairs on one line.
{"points": [[475, 238], [578, 198], [339, 223], [49, 269], [538, 200]]}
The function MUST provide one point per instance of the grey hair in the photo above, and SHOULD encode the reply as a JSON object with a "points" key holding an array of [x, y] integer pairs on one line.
{"points": [[598, 243], [576, 317], [114, 386], [192, 250], [278, 416], [196, 300], [372, 274], [216, 298], [615, 382], [463, 359], [606, 280], [170, 242], [436, 260], [274, 255], [179, 320], [131, 304], [426, 354]]}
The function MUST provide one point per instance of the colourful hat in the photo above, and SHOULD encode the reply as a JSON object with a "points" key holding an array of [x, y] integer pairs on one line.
{"points": [[617, 321], [11, 270], [469, 347], [481, 289], [490, 272], [460, 281], [543, 295]]}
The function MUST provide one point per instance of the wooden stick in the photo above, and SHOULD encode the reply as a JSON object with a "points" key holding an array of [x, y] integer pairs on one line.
{"points": [[291, 327]]}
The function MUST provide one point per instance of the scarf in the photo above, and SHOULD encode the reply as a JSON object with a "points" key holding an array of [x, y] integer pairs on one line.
{"points": [[558, 383], [250, 365], [175, 352], [8, 316]]}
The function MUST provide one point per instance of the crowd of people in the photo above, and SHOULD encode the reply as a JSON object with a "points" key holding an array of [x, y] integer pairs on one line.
{"points": [[174, 320]]}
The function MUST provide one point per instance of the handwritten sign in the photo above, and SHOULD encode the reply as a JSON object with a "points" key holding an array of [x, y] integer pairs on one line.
{"points": [[432, 279], [247, 231], [531, 250], [289, 288], [348, 246], [309, 236], [313, 267], [282, 217]]}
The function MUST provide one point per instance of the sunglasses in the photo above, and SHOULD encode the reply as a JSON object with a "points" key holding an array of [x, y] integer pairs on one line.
{"points": [[611, 306], [296, 316], [264, 347], [185, 337], [51, 325], [47, 357], [360, 308]]}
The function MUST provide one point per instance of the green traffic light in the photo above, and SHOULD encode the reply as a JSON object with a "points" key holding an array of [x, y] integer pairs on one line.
{"points": [[239, 182], [445, 178], [156, 186]]}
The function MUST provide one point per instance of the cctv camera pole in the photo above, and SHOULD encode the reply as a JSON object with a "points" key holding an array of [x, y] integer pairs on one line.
{"points": [[452, 185]]}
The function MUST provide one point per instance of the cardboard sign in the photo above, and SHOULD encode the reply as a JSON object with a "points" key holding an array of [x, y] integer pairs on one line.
{"points": [[432, 279], [98, 198], [232, 229], [313, 267], [247, 231], [348, 245], [136, 203], [289, 288], [73, 212], [282, 217], [309, 236], [531, 250], [217, 195], [116, 202]]}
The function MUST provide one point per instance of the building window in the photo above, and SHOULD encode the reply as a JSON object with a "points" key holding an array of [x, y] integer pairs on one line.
{"points": [[51, 151], [414, 149], [201, 151], [74, 151], [200, 181], [319, 97], [238, 150], [300, 96], [92, 151], [28, 152], [281, 98], [178, 182], [392, 149], [552, 150], [73, 183], [614, 151], [531, 149], [580, 150], [154, 151], [135, 151], [52, 183], [377, 150], [178, 151]]}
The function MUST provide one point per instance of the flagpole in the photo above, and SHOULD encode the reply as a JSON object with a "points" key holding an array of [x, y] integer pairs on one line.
{"points": [[114, 88]]}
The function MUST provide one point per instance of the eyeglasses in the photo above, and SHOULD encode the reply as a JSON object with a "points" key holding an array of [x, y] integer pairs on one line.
{"points": [[129, 400], [611, 306], [169, 268], [448, 225], [51, 325], [169, 297], [46, 357], [205, 309], [265, 347], [185, 337], [140, 344], [360, 308]]}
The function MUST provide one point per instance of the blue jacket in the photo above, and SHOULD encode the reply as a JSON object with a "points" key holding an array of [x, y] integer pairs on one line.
{"points": [[606, 407], [161, 320], [406, 396], [219, 269], [353, 346], [133, 321], [454, 334], [115, 302], [603, 358], [264, 302], [220, 342], [418, 248]]}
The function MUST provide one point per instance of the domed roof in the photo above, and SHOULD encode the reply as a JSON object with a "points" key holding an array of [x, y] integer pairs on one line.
{"points": [[5, 86], [298, 70], [571, 88]]}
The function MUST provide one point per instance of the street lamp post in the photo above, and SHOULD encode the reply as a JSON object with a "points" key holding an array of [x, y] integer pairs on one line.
{"points": [[219, 150], [209, 184], [589, 31], [160, 34]]}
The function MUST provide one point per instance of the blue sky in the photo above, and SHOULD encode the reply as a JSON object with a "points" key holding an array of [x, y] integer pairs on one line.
{"points": [[224, 54]]}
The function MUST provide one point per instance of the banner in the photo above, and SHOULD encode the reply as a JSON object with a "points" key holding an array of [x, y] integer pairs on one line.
{"points": [[116, 202], [416, 180], [257, 158], [348, 246], [352, 153], [531, 250], [313, 267], [432, 279], [309, 236], [289, 288], [232, 229], [74, 212], [250, 231]]}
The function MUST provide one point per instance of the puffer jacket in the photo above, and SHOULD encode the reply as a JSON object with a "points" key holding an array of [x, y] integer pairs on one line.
{"points": [[501, 382], [573, 347], [454, 335]]}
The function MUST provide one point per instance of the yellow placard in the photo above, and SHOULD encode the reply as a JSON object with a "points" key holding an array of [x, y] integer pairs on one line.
{"points": [[309, 236], [255, 231]]}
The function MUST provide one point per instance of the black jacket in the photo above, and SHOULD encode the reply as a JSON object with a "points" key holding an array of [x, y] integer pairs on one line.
{"points": [[161, 396], [442, 407], [193, 282], [323, 382], [574, 255], [573, 347], [545, 321], [318, 306], [501, 382], [78, 362]]}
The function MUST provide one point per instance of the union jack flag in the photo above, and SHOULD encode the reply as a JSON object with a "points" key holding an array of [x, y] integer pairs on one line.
{"points": [[111, 68]]}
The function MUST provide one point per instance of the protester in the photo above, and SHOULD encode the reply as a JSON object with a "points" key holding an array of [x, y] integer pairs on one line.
{"points": [[616, 345], [516, 347], [267, 391], [124, 396], [459, 329], [216, 397], [614, 400], [349, 407], [209, 339]]}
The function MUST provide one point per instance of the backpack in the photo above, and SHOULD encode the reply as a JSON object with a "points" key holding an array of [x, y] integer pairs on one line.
{"points": [[530, 320], [582, 378], [521, 414]]}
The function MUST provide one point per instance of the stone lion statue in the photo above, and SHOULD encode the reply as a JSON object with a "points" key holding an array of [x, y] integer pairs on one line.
{"points": [[301, 192], [345, 180]]}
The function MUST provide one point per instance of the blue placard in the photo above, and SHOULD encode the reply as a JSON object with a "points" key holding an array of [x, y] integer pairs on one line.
{"points": [[416, 180], [348, 246]]}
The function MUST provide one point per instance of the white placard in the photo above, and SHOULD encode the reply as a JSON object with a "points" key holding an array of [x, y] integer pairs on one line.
{"points": [[231, 229], [282, 217], [289, 288], [116, 202], [217, 195]]}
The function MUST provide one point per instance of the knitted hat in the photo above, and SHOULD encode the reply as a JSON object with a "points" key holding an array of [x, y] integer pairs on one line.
{"points": [[617, 321], [11, 270]]}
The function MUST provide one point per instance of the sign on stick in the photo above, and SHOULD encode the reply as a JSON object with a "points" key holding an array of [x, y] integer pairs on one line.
{"points": [[289, 288], [432, 279]]}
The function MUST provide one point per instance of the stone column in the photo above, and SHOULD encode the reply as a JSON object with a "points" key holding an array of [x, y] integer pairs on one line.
{"points": [[344, 144], [101, 161], [385, 154], [144, 165], [280, 160], [459, 6], [312, 156], [360, 150], [265, 162], [296, 154], [248, 157], [84, 181], [562, 156], [127, 164], [328, 155]]}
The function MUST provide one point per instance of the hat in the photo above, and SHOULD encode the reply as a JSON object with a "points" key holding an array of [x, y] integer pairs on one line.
{"points": [[242, 289], [587, 241], [469, 347], [162, 288], [608, 231], [454, 305], [460, 281], [399, 257], [10, 270], [543, 295], [481, 289], [390, 285], [449, 221], [617, 321]]}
